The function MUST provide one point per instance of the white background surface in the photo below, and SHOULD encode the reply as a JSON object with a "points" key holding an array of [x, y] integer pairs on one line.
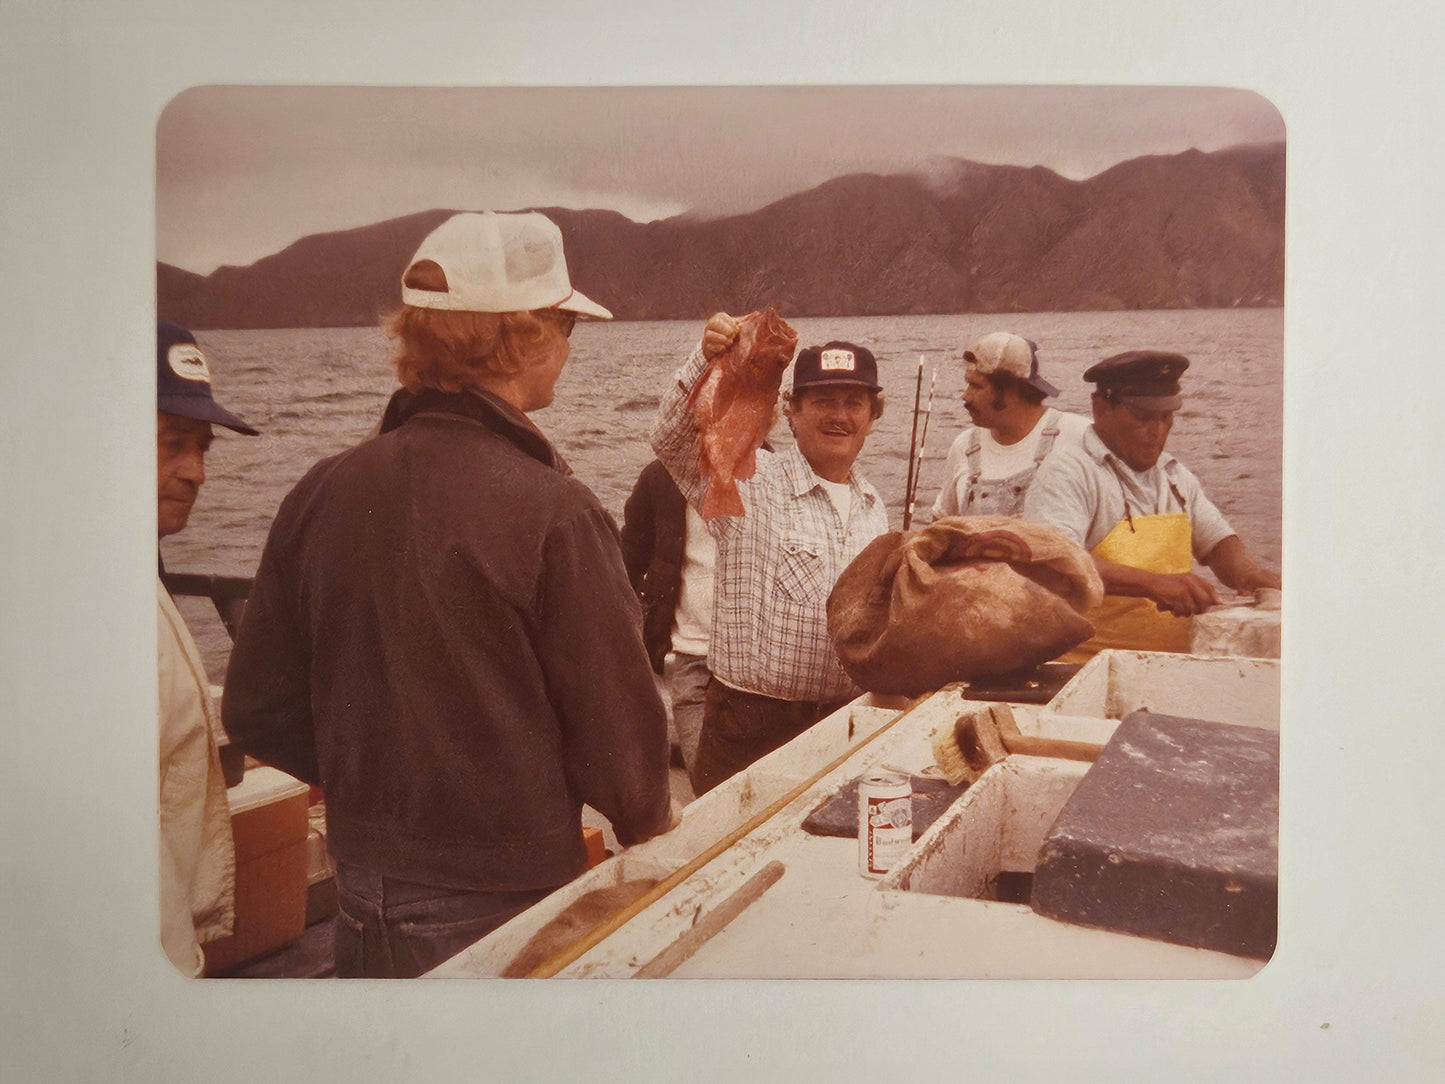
{"points": [[1355, 988]]}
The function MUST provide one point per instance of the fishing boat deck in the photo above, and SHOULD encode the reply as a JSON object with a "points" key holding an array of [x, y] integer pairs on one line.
{"points": [[823, 919]]}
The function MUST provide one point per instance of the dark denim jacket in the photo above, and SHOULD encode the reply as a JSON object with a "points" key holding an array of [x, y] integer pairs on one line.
{"points": [[441, 633]]}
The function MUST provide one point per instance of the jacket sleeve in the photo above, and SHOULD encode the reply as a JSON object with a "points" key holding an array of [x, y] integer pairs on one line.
{"points": [[639, 527], [675, 436], [266, 705], [589, 643]]}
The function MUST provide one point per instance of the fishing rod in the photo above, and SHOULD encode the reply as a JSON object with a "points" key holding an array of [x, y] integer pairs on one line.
{"points": [[912, 447], [917, 471]]}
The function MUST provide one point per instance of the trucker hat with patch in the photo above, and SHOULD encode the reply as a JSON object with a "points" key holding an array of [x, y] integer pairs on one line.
{"points": [[494, 262], [1012, 355], [183, 380], [836, 363], [1144, 378]]}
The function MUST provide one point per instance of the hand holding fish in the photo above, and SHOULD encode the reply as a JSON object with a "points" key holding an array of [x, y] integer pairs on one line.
{"points": [[720, 332], [734, 402]]}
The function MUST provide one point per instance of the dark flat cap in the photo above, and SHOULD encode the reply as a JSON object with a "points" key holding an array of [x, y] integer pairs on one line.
{"points": [[1146, 378]]}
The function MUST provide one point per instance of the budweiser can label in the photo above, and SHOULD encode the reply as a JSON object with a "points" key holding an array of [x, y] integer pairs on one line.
{"points": [[885, 821]]}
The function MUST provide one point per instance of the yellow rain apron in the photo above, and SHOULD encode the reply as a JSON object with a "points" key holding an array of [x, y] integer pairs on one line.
{"points": [[1157, 543]]}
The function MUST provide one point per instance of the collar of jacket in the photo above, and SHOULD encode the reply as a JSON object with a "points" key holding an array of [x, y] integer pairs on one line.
{"points": [[482, 406]]}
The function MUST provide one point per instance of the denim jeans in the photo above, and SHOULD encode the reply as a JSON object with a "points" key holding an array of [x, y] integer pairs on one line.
{"points": [[392, 929], [687, 677]]}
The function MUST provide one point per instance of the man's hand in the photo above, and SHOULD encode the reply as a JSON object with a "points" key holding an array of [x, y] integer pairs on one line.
{"points": [[1183, 594], [1236, 567], [1259, 579], [720, 333], [674, 815], [674, 818]]}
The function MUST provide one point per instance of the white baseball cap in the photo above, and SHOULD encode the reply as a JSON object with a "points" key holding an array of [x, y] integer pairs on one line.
{"points": [[498, 263], [1003, 352]]}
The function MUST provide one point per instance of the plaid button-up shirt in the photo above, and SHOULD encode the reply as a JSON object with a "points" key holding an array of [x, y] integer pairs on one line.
{"points": [[775, 565]]}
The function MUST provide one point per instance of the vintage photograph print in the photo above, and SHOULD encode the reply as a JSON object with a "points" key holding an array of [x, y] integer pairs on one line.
{"points": [[709, 532]]}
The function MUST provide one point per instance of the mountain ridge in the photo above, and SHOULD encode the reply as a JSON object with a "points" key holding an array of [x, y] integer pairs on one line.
{"points": [[1189, 230]]}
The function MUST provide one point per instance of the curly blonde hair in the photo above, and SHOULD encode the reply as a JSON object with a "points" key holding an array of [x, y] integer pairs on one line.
{"points": [[451, 350]]}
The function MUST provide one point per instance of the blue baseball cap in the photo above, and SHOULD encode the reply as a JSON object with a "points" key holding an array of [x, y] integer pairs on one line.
{"points": [[183, 380]]}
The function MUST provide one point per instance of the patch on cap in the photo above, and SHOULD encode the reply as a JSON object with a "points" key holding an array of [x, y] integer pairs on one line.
{"points": [[838, 361], [188, 363]]}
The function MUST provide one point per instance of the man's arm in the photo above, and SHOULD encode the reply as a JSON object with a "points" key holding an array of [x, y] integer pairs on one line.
{"points": [[589, 643], [1236, 567], [266, 707], [675, 436], [639, 528], [946, 503], [1183, 594], [1186, 594]]}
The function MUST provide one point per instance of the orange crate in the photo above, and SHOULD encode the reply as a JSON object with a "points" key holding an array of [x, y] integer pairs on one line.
{"points": [[269, 825]]}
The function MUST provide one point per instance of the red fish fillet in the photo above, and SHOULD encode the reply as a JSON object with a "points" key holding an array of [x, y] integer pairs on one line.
{"points": [[733, 404]]}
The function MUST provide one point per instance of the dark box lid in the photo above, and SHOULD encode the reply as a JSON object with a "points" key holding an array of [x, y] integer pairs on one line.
{"points": [[1173, 834]]}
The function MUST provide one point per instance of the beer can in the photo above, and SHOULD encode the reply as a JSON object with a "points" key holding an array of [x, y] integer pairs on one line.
{"points": [[885, 821]]}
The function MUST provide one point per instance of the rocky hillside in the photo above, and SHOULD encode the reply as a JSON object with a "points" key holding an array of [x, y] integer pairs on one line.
{"points": [[1191, 230]]}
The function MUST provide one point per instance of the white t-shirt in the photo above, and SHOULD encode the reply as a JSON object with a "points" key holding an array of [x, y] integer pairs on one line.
{"points": [[1000, 461], [692, 620], [841, 494]]}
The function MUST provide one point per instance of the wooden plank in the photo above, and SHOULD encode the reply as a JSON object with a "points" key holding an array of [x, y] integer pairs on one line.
{"points": [[680, 951]]}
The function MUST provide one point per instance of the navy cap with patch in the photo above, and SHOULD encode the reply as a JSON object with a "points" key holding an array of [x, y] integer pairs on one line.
{"points": [[836, 363], [1146, 378], [183, 380]]}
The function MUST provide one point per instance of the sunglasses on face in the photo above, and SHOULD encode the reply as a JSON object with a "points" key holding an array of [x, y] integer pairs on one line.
{"points": [[564, 320]]}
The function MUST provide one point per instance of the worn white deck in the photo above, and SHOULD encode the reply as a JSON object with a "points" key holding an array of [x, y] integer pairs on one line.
{"points": [[824, 919]]}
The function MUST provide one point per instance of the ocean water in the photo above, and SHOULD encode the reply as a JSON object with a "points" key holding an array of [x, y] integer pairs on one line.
{"points": [[314, 392]]}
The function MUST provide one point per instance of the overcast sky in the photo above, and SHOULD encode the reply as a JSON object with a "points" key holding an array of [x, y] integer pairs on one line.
{"points": [[244, 171]]}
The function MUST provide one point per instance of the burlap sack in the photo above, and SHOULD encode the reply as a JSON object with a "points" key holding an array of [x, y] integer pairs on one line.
{"points": [[967, 597]]}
